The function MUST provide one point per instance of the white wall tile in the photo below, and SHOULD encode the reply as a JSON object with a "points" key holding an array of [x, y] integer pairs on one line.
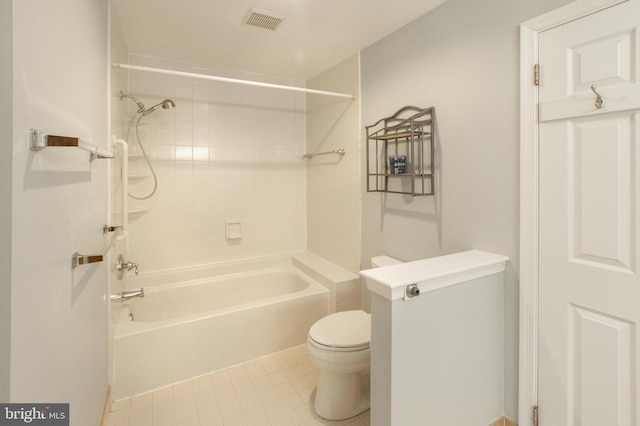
{"points": [[226, 151], [333, 183]]}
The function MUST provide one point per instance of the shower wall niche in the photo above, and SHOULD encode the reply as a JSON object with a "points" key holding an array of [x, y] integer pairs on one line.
{"points": [[225, 152]]}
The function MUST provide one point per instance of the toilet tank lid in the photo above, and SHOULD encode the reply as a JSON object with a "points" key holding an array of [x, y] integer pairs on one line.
{"points": [[380, 261], [345, 329]]}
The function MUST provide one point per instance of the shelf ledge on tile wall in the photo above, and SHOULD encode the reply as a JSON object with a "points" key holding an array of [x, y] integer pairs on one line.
{"points": [[134, 212]]}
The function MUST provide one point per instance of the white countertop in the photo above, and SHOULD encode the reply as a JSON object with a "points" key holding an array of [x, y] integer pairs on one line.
{"points": [[431, 274]]}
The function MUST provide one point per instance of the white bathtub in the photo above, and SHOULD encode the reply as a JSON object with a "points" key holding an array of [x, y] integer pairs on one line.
{"points": [[183, 329]]}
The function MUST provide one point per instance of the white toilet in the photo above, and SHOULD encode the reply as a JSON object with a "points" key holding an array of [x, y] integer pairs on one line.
{"points": [[339, 345]]}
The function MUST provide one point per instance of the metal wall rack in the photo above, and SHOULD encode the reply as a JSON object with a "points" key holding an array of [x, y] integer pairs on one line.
{"points": [[400, 152]]}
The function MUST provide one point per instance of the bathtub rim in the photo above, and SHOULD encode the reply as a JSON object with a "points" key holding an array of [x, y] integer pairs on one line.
{"points": [[125, 327], [326, 273], [208, 270]]}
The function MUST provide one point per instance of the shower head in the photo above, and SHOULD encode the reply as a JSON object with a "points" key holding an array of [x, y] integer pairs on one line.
{"points": [[166, 104]]}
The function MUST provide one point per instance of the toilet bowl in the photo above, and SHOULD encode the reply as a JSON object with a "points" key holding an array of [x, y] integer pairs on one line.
{"points": [[338, 345]]}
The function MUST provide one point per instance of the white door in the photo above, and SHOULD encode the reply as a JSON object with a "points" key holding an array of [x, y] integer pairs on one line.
{"points": [[589, 254]]}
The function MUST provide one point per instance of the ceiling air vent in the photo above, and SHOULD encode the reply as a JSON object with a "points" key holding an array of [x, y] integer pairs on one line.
{"points": [[263, 19]]}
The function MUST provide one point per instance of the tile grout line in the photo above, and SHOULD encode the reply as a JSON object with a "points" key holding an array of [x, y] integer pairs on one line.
{"points": [[275, 390]]}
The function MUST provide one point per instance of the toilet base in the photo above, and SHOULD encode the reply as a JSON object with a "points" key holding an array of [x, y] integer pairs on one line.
{"points": [[341, 396]]}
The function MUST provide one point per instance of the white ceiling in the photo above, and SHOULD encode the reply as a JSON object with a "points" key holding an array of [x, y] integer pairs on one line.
{"points": [[315, 35]]}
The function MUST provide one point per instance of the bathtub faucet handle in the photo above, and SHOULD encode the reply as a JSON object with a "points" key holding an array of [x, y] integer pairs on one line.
{"points": [[122, 265]]}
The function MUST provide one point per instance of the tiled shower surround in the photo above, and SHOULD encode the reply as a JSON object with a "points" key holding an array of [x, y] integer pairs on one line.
{"points": [[225, 153], [233, 153], [334, 184]]}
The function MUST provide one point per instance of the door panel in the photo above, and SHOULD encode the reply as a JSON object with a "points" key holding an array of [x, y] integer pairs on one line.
{"points": [[601, 173], [607, 60], [597, 49], [589, 290], [600, 381]]}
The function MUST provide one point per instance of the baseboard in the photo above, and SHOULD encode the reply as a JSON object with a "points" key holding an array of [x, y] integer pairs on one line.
{"points": [[503, 421], [106, 408]]}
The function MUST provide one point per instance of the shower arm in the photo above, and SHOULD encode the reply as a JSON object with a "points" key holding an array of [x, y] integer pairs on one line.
{"points": [[140, 105], [166, 104]]}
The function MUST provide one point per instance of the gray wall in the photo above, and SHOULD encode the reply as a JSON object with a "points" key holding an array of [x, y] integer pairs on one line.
{"points": [[6, 129], [462, 58]]}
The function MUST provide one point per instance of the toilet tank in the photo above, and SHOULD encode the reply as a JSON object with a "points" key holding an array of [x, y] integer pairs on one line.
{"points": [[376, 262], [380, 261]]}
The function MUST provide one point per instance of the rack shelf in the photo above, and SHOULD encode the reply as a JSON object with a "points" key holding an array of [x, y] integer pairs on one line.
{"points": [[400, 153], [392, 136]]}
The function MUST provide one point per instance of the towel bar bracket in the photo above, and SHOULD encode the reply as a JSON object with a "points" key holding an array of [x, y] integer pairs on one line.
{"points": [[80, 259], [38, 141], [106, 228]]}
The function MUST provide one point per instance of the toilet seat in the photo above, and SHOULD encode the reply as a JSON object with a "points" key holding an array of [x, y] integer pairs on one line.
{"points": [[342, 331]]}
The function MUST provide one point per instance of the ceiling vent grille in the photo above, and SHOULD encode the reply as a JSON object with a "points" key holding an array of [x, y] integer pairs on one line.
{"points": [[263, 19]]}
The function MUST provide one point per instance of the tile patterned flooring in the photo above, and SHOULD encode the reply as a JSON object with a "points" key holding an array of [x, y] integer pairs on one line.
{"points": [[275, 390]]}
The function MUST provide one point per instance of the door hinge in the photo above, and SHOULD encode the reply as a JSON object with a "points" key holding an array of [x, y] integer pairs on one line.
{"points": [[535, 415], [536, 74]]}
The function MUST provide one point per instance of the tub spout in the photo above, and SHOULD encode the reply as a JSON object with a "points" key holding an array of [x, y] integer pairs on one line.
{"points": [[126, 295]]}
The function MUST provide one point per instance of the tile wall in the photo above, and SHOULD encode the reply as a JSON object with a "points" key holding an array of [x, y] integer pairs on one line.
{"points": [[333, 182], [225, 153]]}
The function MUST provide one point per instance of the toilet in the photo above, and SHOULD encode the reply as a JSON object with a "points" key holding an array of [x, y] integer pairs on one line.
{"points": [[339, 345]]}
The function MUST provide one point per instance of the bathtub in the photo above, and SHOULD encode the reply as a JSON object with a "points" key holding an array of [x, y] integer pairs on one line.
{"points": [[194, 322]]}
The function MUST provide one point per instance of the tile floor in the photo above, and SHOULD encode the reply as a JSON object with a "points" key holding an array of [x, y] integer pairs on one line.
{"points": [[275, 390]]}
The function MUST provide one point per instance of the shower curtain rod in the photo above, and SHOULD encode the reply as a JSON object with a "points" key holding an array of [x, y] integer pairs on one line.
{"points": [[232, 80]]}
